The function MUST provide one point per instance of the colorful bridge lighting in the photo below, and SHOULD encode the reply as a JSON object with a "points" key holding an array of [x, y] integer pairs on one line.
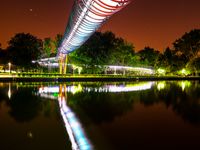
{"points": [[86, 17]]}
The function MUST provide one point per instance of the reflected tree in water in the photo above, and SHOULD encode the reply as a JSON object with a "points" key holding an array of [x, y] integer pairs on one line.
{"points": [[24, 105], [148, 97], [3, 94], [101, 107], [184, 103], [105, 107]]}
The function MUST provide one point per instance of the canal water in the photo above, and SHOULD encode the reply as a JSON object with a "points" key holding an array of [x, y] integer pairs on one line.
{"points": [[100, 116]]}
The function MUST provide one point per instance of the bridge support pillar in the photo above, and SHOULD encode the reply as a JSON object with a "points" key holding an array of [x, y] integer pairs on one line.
{"points": [[63, 64]]}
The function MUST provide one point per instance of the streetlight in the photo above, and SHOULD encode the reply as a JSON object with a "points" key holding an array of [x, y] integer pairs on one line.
{"points": [[9, 65]]}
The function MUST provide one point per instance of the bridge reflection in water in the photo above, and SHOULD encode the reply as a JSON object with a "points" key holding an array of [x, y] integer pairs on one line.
{"points": [[52, 91], [76, 133], [174, 105]]}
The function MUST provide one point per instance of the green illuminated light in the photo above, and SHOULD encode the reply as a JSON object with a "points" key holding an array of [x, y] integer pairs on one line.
{"points": [[55, 94], [161, 71], [184, 72], [77, 67]]}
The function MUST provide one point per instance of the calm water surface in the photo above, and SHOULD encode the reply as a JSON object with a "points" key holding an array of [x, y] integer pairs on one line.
{"points": [[102, 116]]}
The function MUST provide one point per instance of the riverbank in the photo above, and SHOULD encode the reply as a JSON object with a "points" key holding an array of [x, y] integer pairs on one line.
{"points": [[90, 78]]}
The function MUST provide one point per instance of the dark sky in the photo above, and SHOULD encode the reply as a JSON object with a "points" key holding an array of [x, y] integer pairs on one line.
{"points": [[154, 23]]}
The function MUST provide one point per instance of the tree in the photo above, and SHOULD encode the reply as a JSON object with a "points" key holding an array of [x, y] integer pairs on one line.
{"points": [[50, 47], [189, 45], [195, 65], [3, 56], [103, 49], [24, 106], [47, 47], [57, 42], [23, 48], [148, 56], [122, 53], [171, 61], [168, 60]]}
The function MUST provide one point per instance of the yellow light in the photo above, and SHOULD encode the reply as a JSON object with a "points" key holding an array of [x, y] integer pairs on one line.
{"points": [[76, 89], [185, 71], [9, 91], [161, 71], [184, 84], [9, 65], [161, 85], [79, 70]]}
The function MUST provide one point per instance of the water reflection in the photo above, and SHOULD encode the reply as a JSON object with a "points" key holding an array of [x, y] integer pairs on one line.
{"points": [[184, 84], [76, 134], [24, 105], [161, 85], [96, 104], [9, 91], [101, 107], [114, 88]]}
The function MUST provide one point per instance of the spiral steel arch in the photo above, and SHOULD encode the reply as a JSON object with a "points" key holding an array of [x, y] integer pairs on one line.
{"points": [[86, 17]]}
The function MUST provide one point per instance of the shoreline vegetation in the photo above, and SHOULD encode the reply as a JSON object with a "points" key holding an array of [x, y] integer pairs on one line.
{"points": [[88, 78], [100, 51]]}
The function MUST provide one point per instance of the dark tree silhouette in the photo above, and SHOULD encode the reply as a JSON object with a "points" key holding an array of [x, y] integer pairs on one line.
{"points": [[101, 107], [122, 53], [46, 47], [148, 56], [189, 44], [3, 56], [23, 48], [24, 105], [57, 42]]}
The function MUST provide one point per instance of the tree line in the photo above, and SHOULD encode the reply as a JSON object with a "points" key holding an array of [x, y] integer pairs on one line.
{"points": [[108, 49]]}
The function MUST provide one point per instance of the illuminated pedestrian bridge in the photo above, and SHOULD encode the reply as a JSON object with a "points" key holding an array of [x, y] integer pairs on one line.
{"points": [[85, 18], [51, 63]]}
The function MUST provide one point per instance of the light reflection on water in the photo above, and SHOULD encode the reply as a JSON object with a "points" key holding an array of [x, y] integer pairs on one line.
{"points": [[76, 134], [104, 88], [183, 84], [91, 111]]}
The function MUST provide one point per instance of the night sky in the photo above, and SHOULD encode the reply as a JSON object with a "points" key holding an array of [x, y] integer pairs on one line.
{"points": [[154, 23]]}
